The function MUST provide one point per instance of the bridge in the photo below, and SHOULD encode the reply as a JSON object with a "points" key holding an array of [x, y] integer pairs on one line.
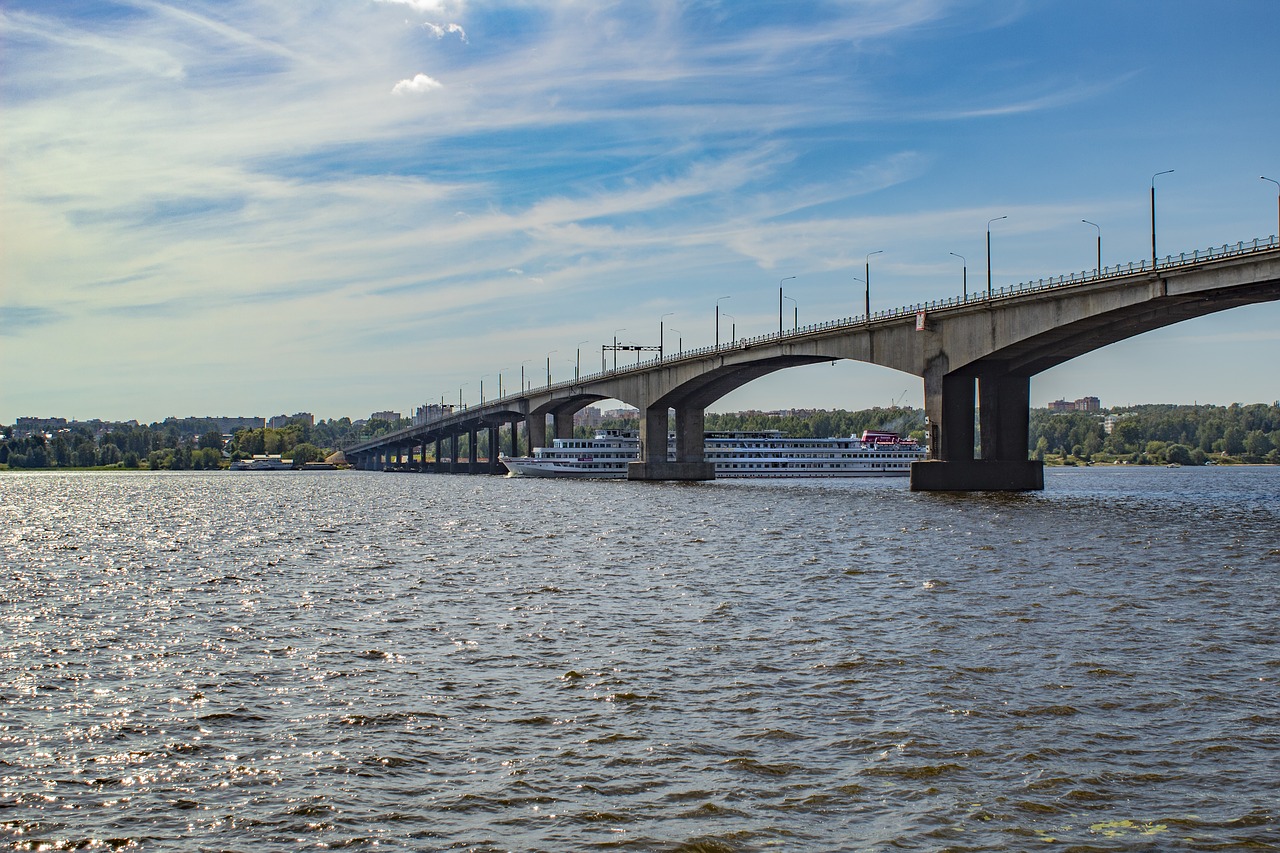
{"points": [[975, 354]]}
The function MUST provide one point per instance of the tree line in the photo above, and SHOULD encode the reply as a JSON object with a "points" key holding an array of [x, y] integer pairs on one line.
{"points": [[187, 444], [1160, 434], [1146, 434]]}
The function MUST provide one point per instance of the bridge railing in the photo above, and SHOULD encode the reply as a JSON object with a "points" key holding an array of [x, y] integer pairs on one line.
{"points": [[1182, 259]]}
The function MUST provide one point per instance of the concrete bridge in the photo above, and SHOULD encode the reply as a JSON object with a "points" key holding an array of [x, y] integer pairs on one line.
{"points": [[976, 356]]}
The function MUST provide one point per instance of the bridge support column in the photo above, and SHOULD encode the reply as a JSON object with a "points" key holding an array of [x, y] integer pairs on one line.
{"points": [[536, 431], [453, 453], [688, 464], [438, 467], [1004, 415], [495, 450], [473, 452], [515, 439]]}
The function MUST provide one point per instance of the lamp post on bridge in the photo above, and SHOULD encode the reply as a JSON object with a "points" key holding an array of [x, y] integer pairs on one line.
{"points": [[662, 335], [795, 315], [1277, 183], [989, 221], [733, 327], [788, 278], [718, 301], [577, 369], [964, 275], [553, 352], [482, 378], [615, 347], [866, 271], [461, 405], [1153, 214], [679, 340], [1099, 227], [500, 382]]}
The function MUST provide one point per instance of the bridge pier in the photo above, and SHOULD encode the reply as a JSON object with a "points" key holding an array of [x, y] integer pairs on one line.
{"points": [[536, 431], [494, 466], [1003, 413], [689, 462]]}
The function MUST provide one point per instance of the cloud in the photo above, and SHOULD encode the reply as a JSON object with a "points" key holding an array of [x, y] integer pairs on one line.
{"points": [[440, 30], [16, 319], [436, 7], [418, 84]]}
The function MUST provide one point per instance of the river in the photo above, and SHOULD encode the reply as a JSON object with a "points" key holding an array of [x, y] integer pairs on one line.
{"points": [[288, 660]]}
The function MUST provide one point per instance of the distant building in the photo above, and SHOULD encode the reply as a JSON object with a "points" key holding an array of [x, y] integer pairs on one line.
{"points": [[590, 417], [430, 412], [228, 426], [393, 417], [1084, 404], [621, 415], [282, 421], [31, 426]]}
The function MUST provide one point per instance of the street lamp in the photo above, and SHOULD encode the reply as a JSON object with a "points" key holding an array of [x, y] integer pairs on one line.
{"points": [[964, 275], [615, 347], [662, 335], [549, 366], [460, 387], [989, 221], [1153, 214], [1277, 183], [1096, 225], [482, 378], [795, 315], [577, 368], [733, 327], [500, 382], [867, 281], [679, 340], [718, 301], [780, 281]]}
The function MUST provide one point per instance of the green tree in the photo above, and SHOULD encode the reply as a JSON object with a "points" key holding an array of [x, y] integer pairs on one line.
{"points": [[304, 453], [1256, 444], [61, 451], [1233, 440], [1178, 453], [211, 440]]}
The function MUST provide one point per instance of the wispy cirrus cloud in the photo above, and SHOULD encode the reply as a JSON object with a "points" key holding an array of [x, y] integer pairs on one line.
{"points": [[16, 320], [183, 162]]}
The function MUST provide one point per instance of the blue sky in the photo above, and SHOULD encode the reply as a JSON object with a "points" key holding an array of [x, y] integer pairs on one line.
{"points": [[255, 208]]}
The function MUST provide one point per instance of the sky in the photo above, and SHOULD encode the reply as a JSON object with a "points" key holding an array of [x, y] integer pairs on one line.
{"points": [[345, 206]]}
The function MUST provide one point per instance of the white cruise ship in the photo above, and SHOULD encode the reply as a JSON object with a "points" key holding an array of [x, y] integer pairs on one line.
{"points": [[763, 453]]}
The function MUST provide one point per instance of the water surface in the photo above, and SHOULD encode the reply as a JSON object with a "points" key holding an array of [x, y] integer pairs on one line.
{"points": [[262, 661]]}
